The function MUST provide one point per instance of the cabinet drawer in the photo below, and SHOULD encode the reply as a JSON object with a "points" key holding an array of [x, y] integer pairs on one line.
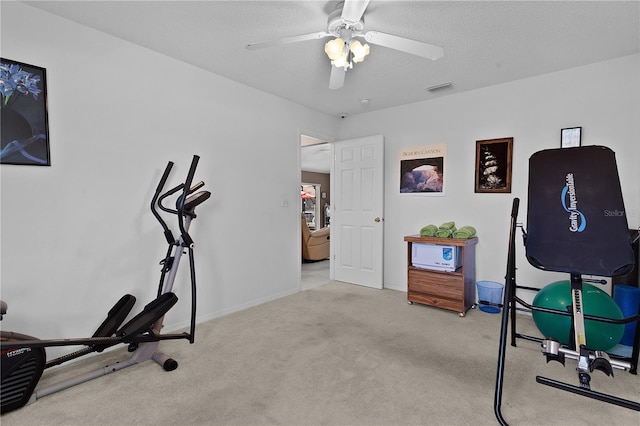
{"points": [[449, 286], [425, 299]]}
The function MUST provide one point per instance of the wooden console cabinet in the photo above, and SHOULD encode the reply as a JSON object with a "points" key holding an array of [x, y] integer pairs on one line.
{"points": [[448, 290]]}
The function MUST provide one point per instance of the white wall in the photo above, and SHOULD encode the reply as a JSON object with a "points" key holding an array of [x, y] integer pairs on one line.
{"points": [[603, 98], [79, 234]]}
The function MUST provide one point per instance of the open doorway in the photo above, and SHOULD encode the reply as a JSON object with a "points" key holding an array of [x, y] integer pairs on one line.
{"points": [[315, 206]]}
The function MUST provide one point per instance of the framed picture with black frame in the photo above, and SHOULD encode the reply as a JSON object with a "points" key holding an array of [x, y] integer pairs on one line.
{"points": [[493, 165], [571, 137], [23, 105]]}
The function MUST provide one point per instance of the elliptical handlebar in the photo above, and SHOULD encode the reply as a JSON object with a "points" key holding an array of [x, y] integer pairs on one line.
{"points": [[185, 210], [165, 195], [156, 200], [180, 211], [173, 191], [186, 238]]}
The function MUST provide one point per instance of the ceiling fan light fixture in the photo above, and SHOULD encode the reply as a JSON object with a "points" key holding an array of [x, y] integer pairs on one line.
{"points": [[342, 62], [335, 48], [344, 53], [359, 51]]}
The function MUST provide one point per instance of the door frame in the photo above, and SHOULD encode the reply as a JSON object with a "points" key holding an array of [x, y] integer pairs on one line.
{"points": [[332, 144], [329, 140]]}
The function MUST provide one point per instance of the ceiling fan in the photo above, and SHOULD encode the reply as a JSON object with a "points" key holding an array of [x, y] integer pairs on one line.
{"points": [[346, 24]]}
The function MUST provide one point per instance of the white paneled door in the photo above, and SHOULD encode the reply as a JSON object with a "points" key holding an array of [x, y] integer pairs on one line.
{"points": [[357, 211]]}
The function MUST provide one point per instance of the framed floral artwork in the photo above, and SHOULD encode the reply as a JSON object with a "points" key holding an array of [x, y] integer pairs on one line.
{"points": [[493, 165], [25, 130]]}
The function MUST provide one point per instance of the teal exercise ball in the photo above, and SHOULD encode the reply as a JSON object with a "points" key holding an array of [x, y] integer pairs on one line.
{"points": [[600, 336]]}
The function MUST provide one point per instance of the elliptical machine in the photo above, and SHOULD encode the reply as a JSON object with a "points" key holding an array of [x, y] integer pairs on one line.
{"points": [[23, 358]]}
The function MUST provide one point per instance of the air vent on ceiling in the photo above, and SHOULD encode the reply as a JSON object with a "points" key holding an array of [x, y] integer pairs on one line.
{"points": [[439, 87]]}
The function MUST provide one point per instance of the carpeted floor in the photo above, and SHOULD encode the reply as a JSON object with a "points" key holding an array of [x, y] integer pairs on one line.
{"points": [[337, 354]]}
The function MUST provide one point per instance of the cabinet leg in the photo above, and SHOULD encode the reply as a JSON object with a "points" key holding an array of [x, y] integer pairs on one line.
{"points": [[461, 314], [409, 302]]}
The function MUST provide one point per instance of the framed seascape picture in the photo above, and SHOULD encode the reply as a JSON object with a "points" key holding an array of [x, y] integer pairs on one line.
{"points": [[25, 131], [493, 165], [571, 137]]}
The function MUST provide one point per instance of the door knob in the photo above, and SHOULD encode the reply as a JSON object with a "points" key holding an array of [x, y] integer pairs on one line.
{"points": [[377, 219]]}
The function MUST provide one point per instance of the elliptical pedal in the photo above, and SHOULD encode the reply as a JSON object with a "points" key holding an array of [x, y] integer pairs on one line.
{"points": [[116, 316], [151, 313]]}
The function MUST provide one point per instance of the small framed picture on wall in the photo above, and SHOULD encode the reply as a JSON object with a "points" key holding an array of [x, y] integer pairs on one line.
{"points": [[570, 137]]}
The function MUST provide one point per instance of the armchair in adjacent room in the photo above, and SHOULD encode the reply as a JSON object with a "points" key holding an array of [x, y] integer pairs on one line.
{"points": [[315, 244]]}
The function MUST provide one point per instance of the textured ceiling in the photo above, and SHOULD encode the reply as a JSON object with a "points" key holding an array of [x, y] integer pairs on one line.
{"points": [[485, 43]]}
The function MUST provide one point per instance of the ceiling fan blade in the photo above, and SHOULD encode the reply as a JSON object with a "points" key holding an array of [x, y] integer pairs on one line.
{"points": [[418, 48], [352, 10], [287, 40], [336, 80]]}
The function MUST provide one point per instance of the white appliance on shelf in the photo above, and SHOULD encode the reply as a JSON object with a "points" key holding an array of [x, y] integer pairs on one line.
{"points": [[435, 256]]}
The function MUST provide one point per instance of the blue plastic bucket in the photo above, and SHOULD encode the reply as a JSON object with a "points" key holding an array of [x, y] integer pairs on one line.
{"points": [[490, 291]]}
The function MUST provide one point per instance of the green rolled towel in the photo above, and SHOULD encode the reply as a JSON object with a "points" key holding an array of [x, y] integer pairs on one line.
{"points": [[446, 230], [448, 225], [444, 233], [428, 231], [465, 232]]}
